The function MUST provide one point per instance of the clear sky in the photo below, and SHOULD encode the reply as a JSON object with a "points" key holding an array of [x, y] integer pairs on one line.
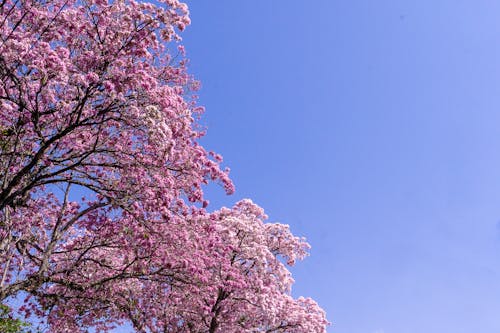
{"points": [[373, 129]]}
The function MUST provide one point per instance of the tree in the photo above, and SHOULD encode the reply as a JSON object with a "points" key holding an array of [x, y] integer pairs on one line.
{"points": [[102, 212]]}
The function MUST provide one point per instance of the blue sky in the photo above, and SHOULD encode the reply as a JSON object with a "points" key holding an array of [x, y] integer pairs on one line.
{"points": [[373, 129]]}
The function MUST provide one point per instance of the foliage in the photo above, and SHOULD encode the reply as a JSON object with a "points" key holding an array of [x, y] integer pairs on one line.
{"points": [[102, 213], [8, 324]]}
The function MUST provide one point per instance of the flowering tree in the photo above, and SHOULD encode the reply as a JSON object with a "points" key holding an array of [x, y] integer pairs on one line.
{"points": [[102, 213]]}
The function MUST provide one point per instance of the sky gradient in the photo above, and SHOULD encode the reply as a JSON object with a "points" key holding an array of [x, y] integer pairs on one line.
{"points": [[372, 128]]}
